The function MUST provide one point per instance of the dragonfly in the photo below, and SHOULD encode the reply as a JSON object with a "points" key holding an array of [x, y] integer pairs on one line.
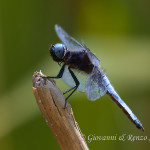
{"points": [[81, 70]]}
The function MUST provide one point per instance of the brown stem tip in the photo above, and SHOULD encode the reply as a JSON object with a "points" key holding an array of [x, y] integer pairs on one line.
{"points": [[61, 121]]}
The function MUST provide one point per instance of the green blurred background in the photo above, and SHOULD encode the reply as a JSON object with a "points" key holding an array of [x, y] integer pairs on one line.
{"points": [[118, 32]]}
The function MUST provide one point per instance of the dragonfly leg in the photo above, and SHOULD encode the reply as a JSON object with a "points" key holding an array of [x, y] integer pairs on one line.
{"points": [[69, 90], [60, 74], [74, 88]]}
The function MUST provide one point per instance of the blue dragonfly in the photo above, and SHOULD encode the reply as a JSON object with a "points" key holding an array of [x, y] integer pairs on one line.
{"points": [[81, 70]]}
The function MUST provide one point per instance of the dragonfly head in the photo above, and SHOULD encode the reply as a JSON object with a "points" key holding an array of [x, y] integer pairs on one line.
{"points": [[58, 51]]}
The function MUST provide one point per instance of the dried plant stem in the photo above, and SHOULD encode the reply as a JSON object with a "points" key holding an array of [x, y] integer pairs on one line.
{"points": [[61, 121]]}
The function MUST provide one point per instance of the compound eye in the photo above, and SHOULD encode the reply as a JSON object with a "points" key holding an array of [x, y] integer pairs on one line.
{"points": [[59, 50]]}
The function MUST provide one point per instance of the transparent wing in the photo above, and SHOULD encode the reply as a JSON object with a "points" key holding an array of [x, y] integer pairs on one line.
{"points": [[70, 42], [95, 89], [95, 61], [93, 58], [73, 44]]}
